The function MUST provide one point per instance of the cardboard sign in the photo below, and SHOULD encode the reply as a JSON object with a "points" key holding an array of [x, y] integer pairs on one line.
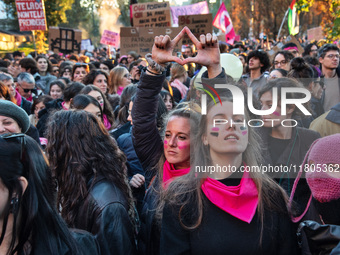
{"points": [[141, 39], [151, 14], [315, 34], [64, 40], [198, 24], [110, 38], [198, 8], [31, 15]]}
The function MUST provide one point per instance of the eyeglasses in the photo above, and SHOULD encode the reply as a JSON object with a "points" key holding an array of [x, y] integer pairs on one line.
{"points": [[81, 64], [127, 75], [294, 52], [34, 90], [283, 62], [15, 136], [313, 50], [331, 56]]}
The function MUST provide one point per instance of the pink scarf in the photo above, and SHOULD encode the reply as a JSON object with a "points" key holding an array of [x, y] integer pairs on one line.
{"points": [[170, 173], [107, 124], [18, 98], [180, 86], [120, 90], [239, 201], [63, 105]]}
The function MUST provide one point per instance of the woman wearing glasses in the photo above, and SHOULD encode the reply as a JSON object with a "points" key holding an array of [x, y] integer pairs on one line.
{"points": [[282, 60], [119, 79], [29, 221]]}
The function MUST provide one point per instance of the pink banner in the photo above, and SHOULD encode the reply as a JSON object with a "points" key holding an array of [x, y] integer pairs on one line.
{"points": [[31, 14], [110, 38], [199, 8]]}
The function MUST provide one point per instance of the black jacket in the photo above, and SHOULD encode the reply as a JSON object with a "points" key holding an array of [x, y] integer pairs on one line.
{"points": [[292, 156], [26, 105], [104, 213]]}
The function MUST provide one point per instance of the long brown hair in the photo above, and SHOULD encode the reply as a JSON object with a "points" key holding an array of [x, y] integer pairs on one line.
{"points": [[185, 192], [116, 77], [4, 91], [79, 150]]}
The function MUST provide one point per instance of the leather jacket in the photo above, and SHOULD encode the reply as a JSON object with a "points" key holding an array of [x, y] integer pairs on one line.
{"points": [[104, 213]]}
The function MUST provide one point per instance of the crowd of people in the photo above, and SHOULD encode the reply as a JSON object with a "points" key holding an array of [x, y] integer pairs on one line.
{"points": [[99, 155]]}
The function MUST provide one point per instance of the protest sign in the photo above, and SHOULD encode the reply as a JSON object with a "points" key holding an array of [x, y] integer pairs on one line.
{"points": [[198, 24], [151, 14], [31, 15], [86, 44], [198, 8], [141, 39], [110, 38], [64, 40], [292, 39], [315, 34]]}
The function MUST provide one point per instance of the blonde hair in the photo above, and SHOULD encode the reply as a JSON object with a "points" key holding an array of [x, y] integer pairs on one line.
{"points": [[116, 78], [177, 71]]}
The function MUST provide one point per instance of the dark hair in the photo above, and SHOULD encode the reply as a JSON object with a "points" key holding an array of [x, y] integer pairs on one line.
{"points": [[80, 102], [135, 63], [79, 65], [109, 64], [54, 56], [17, 54], [288, 45], [74, 57], [49, 64], [311, 60], [80, 149], [72, 90], [302, 71], [42, 98], [327, 47], [262, 56], [107, 109], [308, 49], [4, 63], [286, 54], [164, 94], [67, 80], [60, 84], [125, 99], [285, 83], [29, 63], [133, 54], [91, 76], [281, 71], [36, 219]]}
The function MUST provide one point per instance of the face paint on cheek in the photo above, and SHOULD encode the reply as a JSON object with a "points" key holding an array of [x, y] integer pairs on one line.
{"points": [[182, 145], [165, 144], [276, 113], [244, 132], [215, 129]]}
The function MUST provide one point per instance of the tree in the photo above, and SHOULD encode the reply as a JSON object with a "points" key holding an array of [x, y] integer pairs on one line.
{"points": [[330, 12]]}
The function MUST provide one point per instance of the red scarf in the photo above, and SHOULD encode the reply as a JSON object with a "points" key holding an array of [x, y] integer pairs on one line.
{"points": [[239, 201], [170, 173]]}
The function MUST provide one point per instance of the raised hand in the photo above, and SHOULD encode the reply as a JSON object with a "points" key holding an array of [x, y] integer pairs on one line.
{"points": [[163, 48], [208, 53]]}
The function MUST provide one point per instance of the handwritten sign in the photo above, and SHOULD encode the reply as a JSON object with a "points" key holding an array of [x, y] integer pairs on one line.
{"points": [[151, 14], [141, 39], [198, 24], [315, 34], [31, 14], [110, 38], [198, 8]]}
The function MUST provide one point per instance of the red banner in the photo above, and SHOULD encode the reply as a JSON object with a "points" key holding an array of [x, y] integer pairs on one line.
{"points": [[31, 14]]}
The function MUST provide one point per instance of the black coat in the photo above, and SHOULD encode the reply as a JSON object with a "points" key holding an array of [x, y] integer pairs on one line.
{"points": [[104, 213], [44, 114]]}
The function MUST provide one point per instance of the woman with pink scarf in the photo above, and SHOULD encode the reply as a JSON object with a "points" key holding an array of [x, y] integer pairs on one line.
{"points": [[178, 77]]}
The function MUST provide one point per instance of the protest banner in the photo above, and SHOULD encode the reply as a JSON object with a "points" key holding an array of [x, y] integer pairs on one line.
{"points": [[198, 8], [31, 15], [141, 39], [64, 40], [86, 44], [110, 38], [151, 14], [315, 33], [198, 24]]}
